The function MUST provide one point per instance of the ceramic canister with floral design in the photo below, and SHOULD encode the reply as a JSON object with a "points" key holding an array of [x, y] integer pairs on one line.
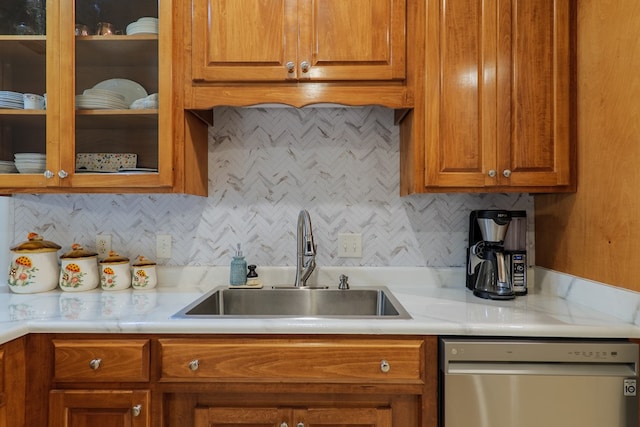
{"points": [[115, 272], [144, 274], [34, 266], [79, 270]]}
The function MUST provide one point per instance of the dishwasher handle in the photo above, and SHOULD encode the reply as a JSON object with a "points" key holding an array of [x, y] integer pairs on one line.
{"points": [[516, 368]]}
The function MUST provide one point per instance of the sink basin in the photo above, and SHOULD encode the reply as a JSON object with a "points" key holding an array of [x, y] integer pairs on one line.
{"points": [[370, 302]]}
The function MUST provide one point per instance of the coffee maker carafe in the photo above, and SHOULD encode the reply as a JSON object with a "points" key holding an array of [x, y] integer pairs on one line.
{"points": [[487, 266]]}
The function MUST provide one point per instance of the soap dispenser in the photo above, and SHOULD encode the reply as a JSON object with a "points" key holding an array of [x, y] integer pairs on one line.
{"points": [[238, 274]]}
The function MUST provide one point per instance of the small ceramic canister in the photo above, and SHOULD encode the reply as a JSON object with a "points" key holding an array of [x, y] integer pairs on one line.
{"points": [[115, 272], [79, 270], [34, 266], [144, 274]]}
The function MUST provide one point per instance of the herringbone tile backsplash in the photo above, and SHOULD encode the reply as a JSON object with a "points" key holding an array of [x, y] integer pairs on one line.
{"points": [[265, 164]]}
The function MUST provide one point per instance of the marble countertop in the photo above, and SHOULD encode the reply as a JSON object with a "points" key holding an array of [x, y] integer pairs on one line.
{"points": [[437, 301]]}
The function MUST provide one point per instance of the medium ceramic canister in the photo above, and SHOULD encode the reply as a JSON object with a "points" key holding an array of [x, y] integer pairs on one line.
{"points": [[144, 274], [34, 266], [79, 270], [115, 272]]}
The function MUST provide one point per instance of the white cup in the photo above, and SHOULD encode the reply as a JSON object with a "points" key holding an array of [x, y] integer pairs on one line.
{"points": [[33, 101]]}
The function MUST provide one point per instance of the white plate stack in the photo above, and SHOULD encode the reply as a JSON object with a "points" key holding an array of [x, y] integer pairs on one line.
{"points": [[7, 166], [146, 25], [12, 100], [101, 99], [30, 162]]}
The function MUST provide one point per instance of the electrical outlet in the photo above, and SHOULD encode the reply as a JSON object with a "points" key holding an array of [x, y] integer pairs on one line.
{"points": [[350, 245], [163, 246], [103, 245]]}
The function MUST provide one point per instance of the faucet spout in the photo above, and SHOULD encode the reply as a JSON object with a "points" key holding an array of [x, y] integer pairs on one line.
{"points": [[305, 250]]}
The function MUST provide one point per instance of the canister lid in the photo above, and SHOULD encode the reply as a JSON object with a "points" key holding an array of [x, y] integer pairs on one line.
{"points": [[141, 261], [77, 251], [35, 243], [114, 258]]}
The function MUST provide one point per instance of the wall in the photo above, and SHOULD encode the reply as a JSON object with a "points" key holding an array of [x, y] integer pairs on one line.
{"points": [[264, 166], [595, 233]]}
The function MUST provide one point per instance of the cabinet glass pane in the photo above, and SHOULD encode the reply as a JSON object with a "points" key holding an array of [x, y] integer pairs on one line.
{"points": [[22, 71], [116, 84]]}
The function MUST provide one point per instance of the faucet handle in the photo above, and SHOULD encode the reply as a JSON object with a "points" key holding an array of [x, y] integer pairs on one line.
{"points": [[344, 282]]}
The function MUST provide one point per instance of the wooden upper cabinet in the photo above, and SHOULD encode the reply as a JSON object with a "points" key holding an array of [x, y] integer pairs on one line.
{"points": [[284, 40], [497, 99]]}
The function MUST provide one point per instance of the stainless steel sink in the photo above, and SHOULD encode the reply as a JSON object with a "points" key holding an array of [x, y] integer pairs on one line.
{"points": [[370, 302]]}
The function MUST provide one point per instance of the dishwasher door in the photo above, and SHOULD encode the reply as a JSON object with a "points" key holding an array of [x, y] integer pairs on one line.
{"points": [[538, 383]]}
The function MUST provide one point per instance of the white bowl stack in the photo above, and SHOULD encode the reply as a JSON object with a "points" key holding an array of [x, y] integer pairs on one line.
{"points": [[145, 25], [30, 162], [7, 166]]}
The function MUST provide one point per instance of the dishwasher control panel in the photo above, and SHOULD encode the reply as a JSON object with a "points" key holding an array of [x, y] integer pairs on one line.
{"points": [[538, 350]]}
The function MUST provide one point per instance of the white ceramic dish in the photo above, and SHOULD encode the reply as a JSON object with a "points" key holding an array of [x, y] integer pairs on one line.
{"points": [[127, 88]]}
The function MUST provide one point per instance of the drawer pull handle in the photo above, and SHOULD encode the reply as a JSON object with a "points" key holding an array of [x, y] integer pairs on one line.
{"points": [[194, 365], [136, 410], [384, 366], [95, 364]]}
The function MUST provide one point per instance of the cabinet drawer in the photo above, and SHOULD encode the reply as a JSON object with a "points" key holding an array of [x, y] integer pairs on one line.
{"points": [[101, 360], [348, 360]]}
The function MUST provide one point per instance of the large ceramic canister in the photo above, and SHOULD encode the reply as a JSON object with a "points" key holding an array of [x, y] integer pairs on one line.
{"points": [[115, 272], [79, 269], [34, 266], [144, 273]]}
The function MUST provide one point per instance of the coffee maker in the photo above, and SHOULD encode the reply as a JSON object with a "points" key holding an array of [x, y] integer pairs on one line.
{"points": [[488, 270]]}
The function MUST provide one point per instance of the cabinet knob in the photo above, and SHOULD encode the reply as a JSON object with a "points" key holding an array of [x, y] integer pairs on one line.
{"points": [[63, 173], [384, 366], [492, 173], [506, 173], [300, 425], [194, 365], [291, 66], [95, 364], [48, 174], [304, 66], [283, 424], [136, 410]]}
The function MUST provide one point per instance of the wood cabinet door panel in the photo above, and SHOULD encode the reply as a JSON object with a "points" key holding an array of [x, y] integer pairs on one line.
{"points": [[344, 417], [538, 141], [461, 73], [235, 40], [353, 39], [241, 417], [86, 408]]}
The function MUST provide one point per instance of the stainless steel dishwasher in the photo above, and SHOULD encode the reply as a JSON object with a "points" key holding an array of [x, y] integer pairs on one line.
{"points": [[538, 383]]}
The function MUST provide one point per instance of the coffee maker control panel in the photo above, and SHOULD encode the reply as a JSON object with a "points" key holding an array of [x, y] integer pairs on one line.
{"points": [[519, 273]]}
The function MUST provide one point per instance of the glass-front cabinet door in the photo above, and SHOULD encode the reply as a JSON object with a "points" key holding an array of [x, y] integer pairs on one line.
{"points": [[107, 124], [24, 72]]}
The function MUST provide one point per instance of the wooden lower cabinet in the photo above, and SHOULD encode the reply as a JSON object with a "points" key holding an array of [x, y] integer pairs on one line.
{"points": [[277, 417], [84, 380], [12, 384], [103, 408]]}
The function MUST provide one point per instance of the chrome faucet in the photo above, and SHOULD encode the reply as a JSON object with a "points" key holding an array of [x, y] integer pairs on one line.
{"points": [[306, 250]]}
